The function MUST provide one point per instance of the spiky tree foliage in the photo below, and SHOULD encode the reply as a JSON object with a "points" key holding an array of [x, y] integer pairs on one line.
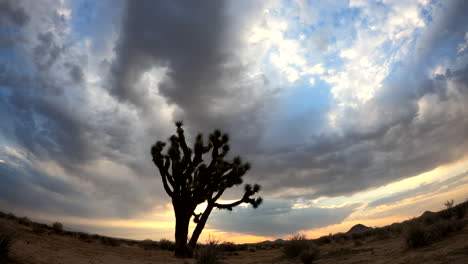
{"points": [[189, 181]]}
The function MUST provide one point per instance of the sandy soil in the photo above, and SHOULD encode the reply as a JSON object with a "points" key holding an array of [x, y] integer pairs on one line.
{"points": [[31, 248]]}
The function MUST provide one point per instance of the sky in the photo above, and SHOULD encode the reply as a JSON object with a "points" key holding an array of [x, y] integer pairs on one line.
{"points": [[349, 111]]}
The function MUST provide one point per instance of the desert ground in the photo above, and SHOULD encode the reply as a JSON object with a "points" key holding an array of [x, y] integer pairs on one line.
{"points": [[49, 247]]}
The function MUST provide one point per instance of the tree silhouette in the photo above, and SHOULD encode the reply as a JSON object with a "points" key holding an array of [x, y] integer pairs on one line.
{"points": [[189, 181]]}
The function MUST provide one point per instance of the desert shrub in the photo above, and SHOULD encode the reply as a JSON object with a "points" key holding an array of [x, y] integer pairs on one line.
{"points": [[57, 227], [166, 244], [11, 216], [396, 228], [323, 240], [85, 237], [296, 244], [252, 248], [449, 203], [108, 241], [416, 236], [341, 238], [309, 255], [357, 235], [149, 244], [38, 229], [7, 238], [444, 228], [460, 211], [242, 247], [228, 247], [25, 221], [208, 254], [381, 233]]}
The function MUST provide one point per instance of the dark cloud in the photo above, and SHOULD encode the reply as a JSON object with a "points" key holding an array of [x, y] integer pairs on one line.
{"points": [[46, 51], [198, 43], [14, 12], [29, 188], [47, 112], [277, 218]]}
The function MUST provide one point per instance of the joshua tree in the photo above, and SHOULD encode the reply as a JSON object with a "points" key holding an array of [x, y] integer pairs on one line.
{"points": [[189, 181]]}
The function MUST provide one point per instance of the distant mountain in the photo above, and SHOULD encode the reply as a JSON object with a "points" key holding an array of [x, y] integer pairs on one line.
{"points": [[279, 240], [358, 228]]}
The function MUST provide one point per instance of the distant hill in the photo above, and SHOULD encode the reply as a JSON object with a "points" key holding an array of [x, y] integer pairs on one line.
{"points": [[358, 228], [279, 240]]}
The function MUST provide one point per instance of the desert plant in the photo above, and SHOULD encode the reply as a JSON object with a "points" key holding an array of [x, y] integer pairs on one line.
{"points": [[166, 244], [449, 203], [295, 245], [381, 233], [57, 227], [25, 221], [190, 182], [323, 240], [416, 236], [396, 228], [37, 229], [85, 237], [357, 235], [228, 247], [207, 255], [7, 238], [443, 229], [460, 211], [149, 244], [108, 241], [340, 238], [309, 255]]}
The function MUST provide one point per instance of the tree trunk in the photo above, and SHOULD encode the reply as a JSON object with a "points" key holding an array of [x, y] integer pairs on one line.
{"points": [[200, 226], [182, 215]]}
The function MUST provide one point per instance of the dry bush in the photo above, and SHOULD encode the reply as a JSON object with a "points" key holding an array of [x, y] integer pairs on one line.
{"points": [[323, 240], [444, 228], [108, 241], [57, 227], [341, 238], [166, 244], [296, 245], [25, 221], [85, 237], [416, 236], [309, 255], [381, 233], [460, 210], [149, 244], [208, 254], [357, 235], [7, 238], [228, 247], [39, 228]]}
